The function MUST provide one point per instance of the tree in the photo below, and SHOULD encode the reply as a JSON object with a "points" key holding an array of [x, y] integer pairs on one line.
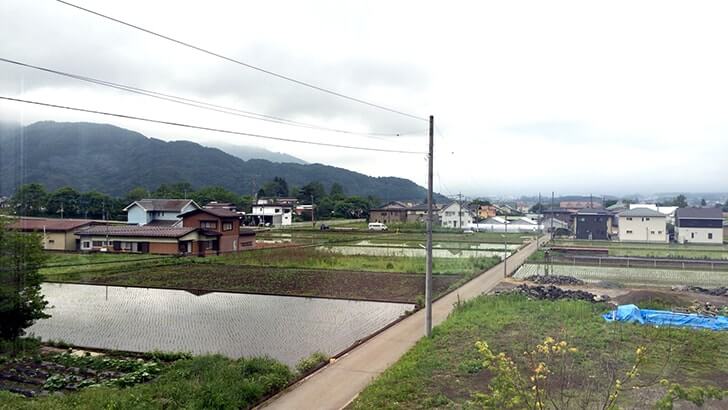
{"points": [[215, 193], [702, 202], [276, 188], [63, 202], [725, 206], [315, 189], [95, 205], [29, 200], [173, 191], [537, 209], [135, 195], [610, 202], [337, 191], [21, 300], [680, 201]]}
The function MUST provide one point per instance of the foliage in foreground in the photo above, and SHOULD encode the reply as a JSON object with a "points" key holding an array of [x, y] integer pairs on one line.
{"points": [[446, 371], [200, 383], [21, 301], [310, 362]]}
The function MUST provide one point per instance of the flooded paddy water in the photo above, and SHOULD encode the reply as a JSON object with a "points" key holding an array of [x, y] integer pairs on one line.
{"points": [[233, 324], [416, 252]]}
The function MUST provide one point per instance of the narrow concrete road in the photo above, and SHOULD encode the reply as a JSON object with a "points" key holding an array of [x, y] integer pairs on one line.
{"points": [[336, 385]]}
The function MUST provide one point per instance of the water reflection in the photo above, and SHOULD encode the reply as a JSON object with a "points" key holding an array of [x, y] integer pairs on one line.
{"points": [[235, 325]]}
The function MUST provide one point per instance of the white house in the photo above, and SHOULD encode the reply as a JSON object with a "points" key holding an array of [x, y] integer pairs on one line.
{"points": [[668, 211], [453, 216], [699, 225], [159, 212], [643, 225], [267, 212]]}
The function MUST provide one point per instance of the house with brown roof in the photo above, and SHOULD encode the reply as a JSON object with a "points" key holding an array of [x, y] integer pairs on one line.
{"points": [[202, 232], [391, 212], [56, 234], [158, 212], [226, 223]]}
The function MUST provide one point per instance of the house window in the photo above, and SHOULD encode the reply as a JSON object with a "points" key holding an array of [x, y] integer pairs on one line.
{"points": [[98, 244], [647, 219], [629, 232], [227, 226], [278, 210], [652, 232], [659, 232], [86, 244], [710, 236], [629, 218], [208, 224], [51, 241], [692, 235]]}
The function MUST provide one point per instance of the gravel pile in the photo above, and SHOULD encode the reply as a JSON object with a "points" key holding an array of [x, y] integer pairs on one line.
{"points": [[554, 280], [721, 291], [551, 292]]}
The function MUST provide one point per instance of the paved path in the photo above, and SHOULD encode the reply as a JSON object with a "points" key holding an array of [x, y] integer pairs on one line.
{"points": [[337, 384]]}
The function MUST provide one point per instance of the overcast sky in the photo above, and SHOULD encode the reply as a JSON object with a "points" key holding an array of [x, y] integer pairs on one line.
{"points": [[576, 97]]}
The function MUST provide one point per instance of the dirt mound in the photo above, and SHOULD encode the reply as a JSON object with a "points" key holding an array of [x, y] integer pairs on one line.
{"points": [[654, 297], [551, 292], [554, 280]]}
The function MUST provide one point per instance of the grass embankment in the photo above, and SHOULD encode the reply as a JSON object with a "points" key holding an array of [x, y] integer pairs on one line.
{"points": [[445, 370]]}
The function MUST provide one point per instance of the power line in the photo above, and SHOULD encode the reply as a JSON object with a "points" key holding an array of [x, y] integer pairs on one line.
{"points": [[247, 65], [195, 103], [183, 125]]}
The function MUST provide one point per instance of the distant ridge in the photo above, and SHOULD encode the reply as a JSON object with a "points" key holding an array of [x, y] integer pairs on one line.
{"points": [[113, 160]]}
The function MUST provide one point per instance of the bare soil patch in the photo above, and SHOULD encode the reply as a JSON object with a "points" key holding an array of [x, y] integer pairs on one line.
{"points": [[379, 286]]}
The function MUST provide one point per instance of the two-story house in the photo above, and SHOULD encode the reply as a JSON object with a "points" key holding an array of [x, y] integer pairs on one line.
{"points": [[593, 224], [225, 223], [699, 225], [391, 212], [272, 212], [455, 216], [158, 212], [643, 225]]}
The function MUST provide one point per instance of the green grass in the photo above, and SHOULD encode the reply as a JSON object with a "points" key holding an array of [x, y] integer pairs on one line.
{"points": [[311, 258], [60, 265], [671, 250], [444, 371], [204, 382]]}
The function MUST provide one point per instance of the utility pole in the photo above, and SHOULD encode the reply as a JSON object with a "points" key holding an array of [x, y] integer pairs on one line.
{"points": [[460, 210], [552, 214], [505, 248], [428, 268], [313, 212]]}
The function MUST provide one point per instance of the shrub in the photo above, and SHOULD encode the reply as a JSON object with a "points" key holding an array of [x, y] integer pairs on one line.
{"points": [[309, 363]]}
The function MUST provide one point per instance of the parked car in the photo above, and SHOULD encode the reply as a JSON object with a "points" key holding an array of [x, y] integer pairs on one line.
{"points": [[377, 226]]}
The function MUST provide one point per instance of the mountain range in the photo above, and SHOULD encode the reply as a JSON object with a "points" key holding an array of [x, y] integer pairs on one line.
{"points": [[113, 160]]}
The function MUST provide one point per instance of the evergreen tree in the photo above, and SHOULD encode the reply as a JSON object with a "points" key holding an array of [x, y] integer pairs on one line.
{"points": [[21, 300]]}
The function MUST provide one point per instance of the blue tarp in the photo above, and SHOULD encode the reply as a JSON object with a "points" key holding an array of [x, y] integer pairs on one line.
{"points": [[633, 314]]}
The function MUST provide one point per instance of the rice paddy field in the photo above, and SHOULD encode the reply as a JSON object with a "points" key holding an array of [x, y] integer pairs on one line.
{"points": [[630, 276], [658, 250]]}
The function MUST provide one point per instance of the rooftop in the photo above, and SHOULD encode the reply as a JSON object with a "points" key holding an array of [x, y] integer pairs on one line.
{"points": [[639, 212], [49, 224], [141, 231], [167, 205], [699, 213], [219, 212]]}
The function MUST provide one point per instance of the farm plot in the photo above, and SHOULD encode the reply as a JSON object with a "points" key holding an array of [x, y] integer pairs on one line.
{"points": [[630, 276]]}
